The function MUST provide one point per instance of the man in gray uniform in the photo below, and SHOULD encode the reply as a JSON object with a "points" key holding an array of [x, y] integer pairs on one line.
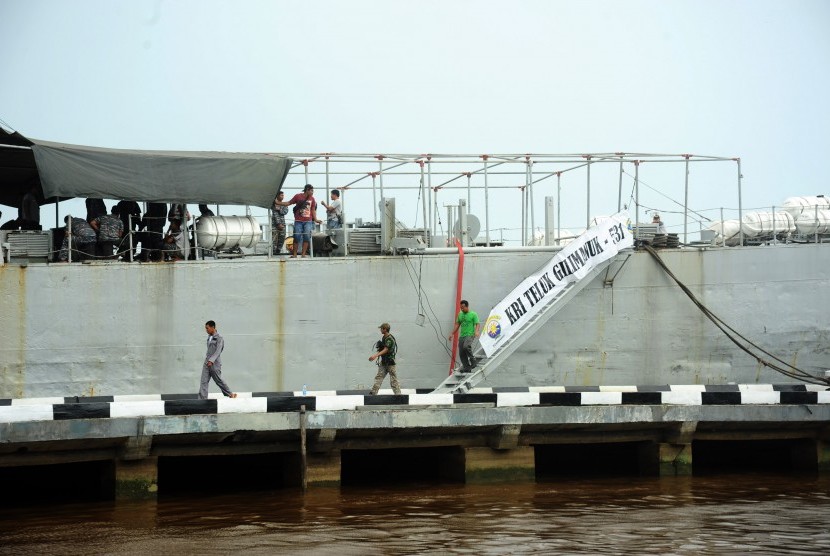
{"points": [[212, 367]]}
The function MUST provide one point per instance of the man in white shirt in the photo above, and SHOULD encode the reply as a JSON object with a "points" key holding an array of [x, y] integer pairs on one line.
{"points": [[334, 211], [174, 242], [661, 228]]}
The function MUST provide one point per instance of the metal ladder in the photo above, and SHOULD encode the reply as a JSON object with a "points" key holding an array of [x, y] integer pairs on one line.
{"points": [[461, 383]]}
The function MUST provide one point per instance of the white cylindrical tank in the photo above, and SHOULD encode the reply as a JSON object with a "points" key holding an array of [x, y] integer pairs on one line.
{"points": [[728, 229], [813, 222], [761, 223], [227, 232], [798, 205]]}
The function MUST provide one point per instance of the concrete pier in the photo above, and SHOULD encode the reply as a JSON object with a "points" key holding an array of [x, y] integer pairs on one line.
{"points": [[137, 449]]}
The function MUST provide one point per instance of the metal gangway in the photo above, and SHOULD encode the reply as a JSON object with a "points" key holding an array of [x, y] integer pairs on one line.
{"points": [[461, 383], [616, 248]]}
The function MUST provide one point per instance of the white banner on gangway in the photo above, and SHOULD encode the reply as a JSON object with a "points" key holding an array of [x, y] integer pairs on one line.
{"points": [[536, 292]]}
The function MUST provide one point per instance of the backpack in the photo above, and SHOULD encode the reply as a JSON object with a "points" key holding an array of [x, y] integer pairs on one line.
{"points": [[394, 350], [379, 345]]}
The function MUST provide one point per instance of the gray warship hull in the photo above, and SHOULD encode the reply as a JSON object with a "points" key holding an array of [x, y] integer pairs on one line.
{"points": [[136, 328]]}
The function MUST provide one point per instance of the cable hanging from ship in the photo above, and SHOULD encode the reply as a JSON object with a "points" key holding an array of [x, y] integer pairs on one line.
{"points": [[744, 343], [434, 321]]}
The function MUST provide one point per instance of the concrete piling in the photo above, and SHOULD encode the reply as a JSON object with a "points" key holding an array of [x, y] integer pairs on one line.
{"points": [[483, 465], [136, 479]]}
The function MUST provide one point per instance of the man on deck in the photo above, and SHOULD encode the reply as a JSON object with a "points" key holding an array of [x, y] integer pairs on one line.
{"points": [[305, 215]]}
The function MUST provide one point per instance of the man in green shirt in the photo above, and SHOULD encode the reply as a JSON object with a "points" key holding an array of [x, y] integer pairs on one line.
{"points": [[469, 326]]}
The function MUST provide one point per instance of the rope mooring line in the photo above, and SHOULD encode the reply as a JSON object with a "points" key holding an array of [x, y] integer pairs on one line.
{"points": [[774, 362]]}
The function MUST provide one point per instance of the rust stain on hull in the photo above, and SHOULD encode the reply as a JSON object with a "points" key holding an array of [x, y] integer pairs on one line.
{"points": [[279, 356], [13, 319]]}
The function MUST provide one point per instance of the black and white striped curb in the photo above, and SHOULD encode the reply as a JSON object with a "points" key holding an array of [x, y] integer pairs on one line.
{"points": [[62, 408]]}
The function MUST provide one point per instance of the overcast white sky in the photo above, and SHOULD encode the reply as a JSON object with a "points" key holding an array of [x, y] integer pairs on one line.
{"points": [[744, 78]]}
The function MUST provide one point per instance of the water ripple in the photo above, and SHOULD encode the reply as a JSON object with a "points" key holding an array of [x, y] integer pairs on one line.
{"points": [[763, 514]]}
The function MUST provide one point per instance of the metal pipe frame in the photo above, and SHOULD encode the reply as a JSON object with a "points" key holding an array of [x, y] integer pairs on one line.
{"points": [[452, 167]]}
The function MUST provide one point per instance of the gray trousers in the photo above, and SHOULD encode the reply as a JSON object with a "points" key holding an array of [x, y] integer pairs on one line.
{"points": [[465, 352], [214, 373], [383, 370]]}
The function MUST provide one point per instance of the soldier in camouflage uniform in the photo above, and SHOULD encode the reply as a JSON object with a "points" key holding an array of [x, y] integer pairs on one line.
{"points": [[278, 224], [83, 241], [110, 230], [387, 349]]}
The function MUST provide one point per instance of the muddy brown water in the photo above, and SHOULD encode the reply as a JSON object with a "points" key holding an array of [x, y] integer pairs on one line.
{"points": [[727, 514]]}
